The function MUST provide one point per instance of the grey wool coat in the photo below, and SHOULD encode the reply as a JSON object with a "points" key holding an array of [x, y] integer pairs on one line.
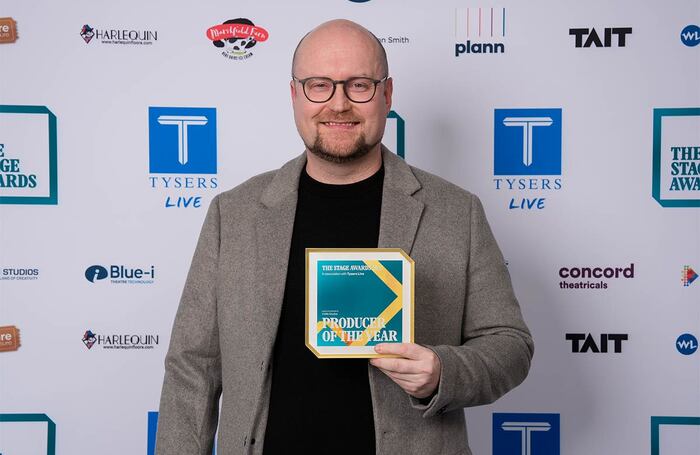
{"points": [[225, 327]]}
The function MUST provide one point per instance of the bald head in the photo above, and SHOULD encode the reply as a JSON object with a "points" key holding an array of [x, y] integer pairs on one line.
{"points": [[342, 29]]}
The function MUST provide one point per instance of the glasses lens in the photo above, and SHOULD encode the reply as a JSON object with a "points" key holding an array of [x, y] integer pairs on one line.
{"points": [[318, 89], [360, 89]]}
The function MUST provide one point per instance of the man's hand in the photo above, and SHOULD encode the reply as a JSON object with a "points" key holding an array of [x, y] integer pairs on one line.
{"points": [[417, 373]]}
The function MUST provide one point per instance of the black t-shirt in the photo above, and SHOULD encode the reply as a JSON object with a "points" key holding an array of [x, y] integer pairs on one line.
{"points": [[322, 405]]}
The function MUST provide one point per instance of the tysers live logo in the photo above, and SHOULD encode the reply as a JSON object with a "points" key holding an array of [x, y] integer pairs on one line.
{"points": [[237, 37], [516, 434], [676, 157], [527, 155], [28, 157], [182, 153], [120, 274], [480, 31]]}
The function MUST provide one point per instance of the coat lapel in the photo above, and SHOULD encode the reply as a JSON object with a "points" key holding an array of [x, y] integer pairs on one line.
{"points": [[274, 227], [401, 212]]}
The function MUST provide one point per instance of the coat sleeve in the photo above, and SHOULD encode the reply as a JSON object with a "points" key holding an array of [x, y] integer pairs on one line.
{"points": [[189, 404], [497, 346]]}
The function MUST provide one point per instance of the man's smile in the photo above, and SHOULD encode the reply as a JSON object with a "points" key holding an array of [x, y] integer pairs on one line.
{"points": [[340, 125]]}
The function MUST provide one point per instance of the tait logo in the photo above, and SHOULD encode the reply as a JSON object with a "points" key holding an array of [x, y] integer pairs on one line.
{"points": [[525, 434], [687, 344], [120, 274], [587, 37], [690, 36], [527, 142], [589, 343]]}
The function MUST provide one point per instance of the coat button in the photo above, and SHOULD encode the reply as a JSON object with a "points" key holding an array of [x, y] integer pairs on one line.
{"points": [[252, 441]]}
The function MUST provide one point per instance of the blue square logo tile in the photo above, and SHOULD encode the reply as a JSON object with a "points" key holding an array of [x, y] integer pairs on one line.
{"points": [[526, 434], [182, 140], [527, 142]]}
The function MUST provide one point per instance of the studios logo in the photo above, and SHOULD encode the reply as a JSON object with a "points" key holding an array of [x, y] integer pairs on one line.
{"points": [[527, 155], [120, 274], [118, 36], [19, 274], [120, 341], [592, 277], [236, 38]]}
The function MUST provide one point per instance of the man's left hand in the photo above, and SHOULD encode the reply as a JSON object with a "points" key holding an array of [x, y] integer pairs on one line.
{"points": [[417, 372]]}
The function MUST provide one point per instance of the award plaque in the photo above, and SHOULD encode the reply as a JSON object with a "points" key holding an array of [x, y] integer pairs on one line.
{"points": [[357, 298]]}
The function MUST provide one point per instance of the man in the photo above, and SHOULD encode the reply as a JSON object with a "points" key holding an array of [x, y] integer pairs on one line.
{"points": [[239, 330]]}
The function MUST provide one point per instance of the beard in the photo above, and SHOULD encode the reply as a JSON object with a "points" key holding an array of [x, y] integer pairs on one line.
{"points": [[334, 155]]}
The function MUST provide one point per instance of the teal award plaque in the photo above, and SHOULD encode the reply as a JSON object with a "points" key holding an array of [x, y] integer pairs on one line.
{"points": [[357, 298]]}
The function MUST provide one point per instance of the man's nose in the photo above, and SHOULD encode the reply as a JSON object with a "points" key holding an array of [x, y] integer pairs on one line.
{"points": [[339, 102]]}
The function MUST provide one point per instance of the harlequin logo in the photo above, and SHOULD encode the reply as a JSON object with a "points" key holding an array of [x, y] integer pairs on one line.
{"points": [[236, 38], [89, 339], [689, 275], [87, 33]]}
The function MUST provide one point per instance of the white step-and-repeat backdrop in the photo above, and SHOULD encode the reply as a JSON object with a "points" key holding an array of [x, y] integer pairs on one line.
{"points": [[577, 123]]}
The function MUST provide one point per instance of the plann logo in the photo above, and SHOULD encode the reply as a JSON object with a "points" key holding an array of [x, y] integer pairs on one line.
{"points": [[486, 26], [589, 343], [237, 37], [687, 344], [120, 274], [28, 166], [589, 37], [688, 276], [527, 142], [182, 140], [573, 277], [8, 30], [690, 36], [525, 434], [676, 157]]}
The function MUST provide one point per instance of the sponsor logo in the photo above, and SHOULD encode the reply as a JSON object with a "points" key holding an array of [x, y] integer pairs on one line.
{"points": [[395, 134], [152, 431], [237, 37], [27, 433], [118, 36], [389, 39], [607, 340], [28, 167], [675, 442], [120, 341], [582, 277], [611, 37], [480, 31], [19, 274], [9, 338], [688, 276], [8, 30], [690, 35], [359, 1], [527, 145], [676, 157], [525, 434], [121, 274], [687, 344], [182, 140]]}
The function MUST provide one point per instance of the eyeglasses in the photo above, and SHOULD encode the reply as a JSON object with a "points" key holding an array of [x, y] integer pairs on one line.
{"points": [[322, 89]]}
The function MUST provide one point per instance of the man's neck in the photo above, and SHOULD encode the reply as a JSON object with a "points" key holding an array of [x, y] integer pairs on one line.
{"points": [[344, 173]]}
